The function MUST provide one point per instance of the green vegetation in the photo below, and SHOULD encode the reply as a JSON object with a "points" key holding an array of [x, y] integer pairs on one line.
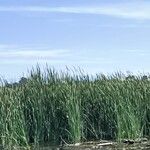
{"points": [[57, 107]]}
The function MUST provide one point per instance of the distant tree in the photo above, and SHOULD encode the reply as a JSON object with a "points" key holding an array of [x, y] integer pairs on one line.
{"points": [[8, 85], [23, 80], [15, 84], [130, 77], [144, 77]]}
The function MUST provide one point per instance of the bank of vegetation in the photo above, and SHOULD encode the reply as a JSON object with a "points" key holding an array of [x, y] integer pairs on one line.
{"points": [[57, 107]]}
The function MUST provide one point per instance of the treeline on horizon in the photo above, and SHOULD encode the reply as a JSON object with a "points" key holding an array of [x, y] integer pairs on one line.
{"points": [[23, 80], [55, 107]]}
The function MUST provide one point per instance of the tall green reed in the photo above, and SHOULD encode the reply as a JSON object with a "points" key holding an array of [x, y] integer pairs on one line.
{"points": [[54, 107]]}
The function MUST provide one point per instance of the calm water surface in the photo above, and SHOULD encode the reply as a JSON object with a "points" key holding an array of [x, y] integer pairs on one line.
{"points": [[114, 146]]}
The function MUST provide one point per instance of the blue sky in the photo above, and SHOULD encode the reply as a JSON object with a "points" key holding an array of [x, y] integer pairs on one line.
{"points": [[96, 35]]}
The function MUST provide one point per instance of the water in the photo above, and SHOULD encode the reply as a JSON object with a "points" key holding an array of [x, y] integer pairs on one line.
{"points": [[94, 146]]}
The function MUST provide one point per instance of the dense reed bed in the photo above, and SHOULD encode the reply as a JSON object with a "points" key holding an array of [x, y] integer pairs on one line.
{"points": [[59, 107]]}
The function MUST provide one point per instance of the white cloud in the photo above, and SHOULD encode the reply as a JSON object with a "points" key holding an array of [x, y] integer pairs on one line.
{"points": [[31, 54], [139, 52], [15, 55], [134, 10], [5, 46]]}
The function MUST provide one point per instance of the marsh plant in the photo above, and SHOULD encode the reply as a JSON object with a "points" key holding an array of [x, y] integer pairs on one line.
{"points": [[55, 107]]}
